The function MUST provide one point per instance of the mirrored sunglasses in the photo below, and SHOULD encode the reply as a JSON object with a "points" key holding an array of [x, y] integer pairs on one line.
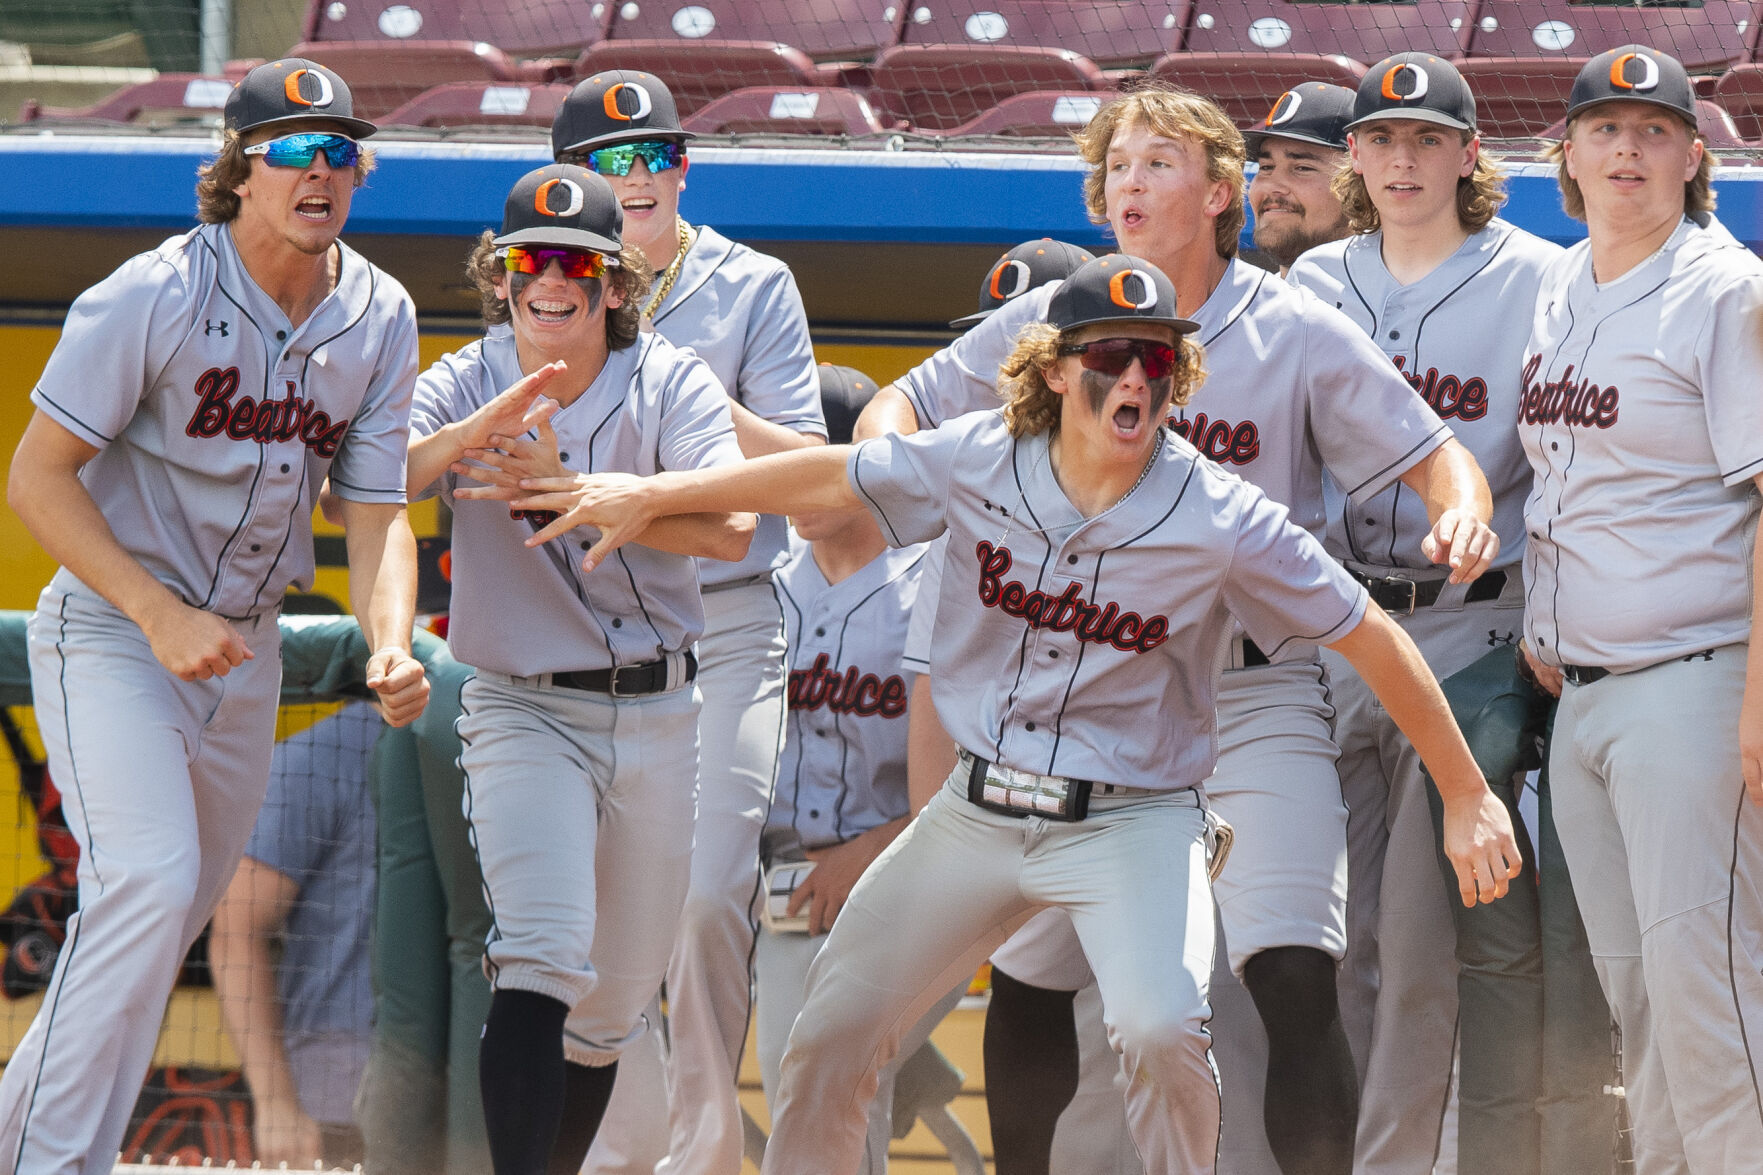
{"points": [[576, 263], [1114, 356], [656, 156], [299, 150]]}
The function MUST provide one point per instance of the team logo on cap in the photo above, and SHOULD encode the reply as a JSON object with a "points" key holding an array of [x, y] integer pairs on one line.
{"points": [[294, 84], [614, 102], [1649, 79], [1121, 296], [1393, 83], [542, 198], [1009, 278], [1285, 109]]}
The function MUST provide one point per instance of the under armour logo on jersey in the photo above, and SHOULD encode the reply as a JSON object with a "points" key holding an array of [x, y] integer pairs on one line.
{"points": [[1645, 75], [1132, 289], [1404, 83], [1285, 108], [1496, 637], [296, 88], [627, 94], [209, 326], [573, 197]]}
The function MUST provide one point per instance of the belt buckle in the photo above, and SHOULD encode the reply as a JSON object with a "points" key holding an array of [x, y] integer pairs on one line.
{"points": [[1025, 793], [1413, 593], [613, 688]]}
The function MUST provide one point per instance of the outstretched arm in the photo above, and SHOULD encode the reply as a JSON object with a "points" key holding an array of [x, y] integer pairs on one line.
{"points": [[1478, 833], [887, 411], [624, 505], [1460, 506]]}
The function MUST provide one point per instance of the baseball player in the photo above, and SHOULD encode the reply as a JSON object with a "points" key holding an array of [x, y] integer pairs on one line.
{"points": [[579, 729], [1640, 417], [1297, 149], [196, 401], [740, 312], [841, 793], [1292, 386], [1082, 538], [1443, 288]]}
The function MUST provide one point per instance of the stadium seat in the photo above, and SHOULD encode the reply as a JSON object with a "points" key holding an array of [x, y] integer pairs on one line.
{"points": [[826, 30], [480, 104], [764, 110], [1709, 36], [1246, 85], [1740, 92], [522, 28], [1113, 35], [939, 87], [698, 72], [1519, 97], [167, 99], [1716, 126], [1363, 32], [1045, 114], [383, 75]]}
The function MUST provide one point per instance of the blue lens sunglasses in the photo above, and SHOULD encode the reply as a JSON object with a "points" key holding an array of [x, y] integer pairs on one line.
{"points": [[657, 155], [299, 150]]}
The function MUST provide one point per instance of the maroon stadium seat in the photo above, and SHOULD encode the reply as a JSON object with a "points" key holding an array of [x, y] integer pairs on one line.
{"points": [[1044, 114], [698, 72], [826, 30], [1711, 35], [479, 104], [1519, 97], [1113, 34], [522, 28], [1740, 91], [762, 110], [168, 98], [940, 87], [1363, 32], [384, 75], [1246, 85]]}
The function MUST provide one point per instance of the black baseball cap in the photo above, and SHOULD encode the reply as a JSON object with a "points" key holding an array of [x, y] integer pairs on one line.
{"points": [[844, 392], [563, 205], [1029, 266], [292, 90], [616, 106], [1634, 73], [1116, 288], [1314, 112], [1415, 86]]}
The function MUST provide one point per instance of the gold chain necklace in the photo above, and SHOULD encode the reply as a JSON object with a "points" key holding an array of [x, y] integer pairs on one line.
{"points": [[671, 273]]}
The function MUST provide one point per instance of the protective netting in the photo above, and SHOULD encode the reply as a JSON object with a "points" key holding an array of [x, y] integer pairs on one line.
{"points": [[857, 71]]}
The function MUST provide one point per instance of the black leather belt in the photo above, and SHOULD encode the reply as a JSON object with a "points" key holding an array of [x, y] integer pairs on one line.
{"points": [[1583, 674], [625, 681], [1399, 594]]}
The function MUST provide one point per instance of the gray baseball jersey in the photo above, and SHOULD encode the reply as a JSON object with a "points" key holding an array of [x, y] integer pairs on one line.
{"points": [[741, 312], [224, 524], [1642, 422], [653, 406], [843, 770], [1113, 674], [1291, 387], [1457, 336]]}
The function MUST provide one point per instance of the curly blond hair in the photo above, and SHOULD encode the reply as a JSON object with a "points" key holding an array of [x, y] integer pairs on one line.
{"points": [[217, 201], [1032, 406], [1173, 113], [1480, 194], [630, 277]]}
